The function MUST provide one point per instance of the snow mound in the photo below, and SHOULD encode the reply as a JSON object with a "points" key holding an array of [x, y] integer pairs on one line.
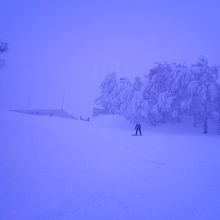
{"points": [[112, 121]]}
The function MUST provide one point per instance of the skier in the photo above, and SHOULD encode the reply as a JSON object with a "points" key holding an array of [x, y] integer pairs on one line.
{"points": [[138, 129]]}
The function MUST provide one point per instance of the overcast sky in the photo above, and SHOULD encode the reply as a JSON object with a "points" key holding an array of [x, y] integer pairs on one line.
{"points": [[67, 47]]}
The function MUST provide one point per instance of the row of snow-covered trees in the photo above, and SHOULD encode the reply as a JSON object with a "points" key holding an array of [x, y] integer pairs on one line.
{"points": [[168, 92]]}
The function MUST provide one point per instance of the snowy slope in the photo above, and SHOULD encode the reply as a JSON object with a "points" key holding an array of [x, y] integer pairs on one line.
{"points": [[60, 169]]}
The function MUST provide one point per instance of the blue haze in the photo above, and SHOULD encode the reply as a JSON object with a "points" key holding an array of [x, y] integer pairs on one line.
{"points": [[67, 47]]}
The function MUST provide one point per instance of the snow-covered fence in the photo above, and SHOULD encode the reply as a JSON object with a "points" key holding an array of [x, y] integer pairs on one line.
{"points": [[46, 112]]}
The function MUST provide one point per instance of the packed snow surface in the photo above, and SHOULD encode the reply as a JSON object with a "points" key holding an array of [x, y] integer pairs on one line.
{"points": [[60, 169]]}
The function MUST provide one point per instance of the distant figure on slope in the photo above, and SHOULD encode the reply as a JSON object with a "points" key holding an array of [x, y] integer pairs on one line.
{"points": [[138, 129]]}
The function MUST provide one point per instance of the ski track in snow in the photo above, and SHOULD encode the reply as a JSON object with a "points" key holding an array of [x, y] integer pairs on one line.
{"points": [[60, 169]]}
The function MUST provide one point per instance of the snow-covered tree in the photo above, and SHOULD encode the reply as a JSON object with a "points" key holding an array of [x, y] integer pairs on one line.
{"points": [[202, 92], [157, 93], [124, 95], [3, 49], [136, 98], [109, 99], [180, 79]]}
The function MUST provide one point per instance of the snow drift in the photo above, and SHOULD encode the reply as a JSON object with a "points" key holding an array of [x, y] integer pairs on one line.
{"points": [[53, 169]]}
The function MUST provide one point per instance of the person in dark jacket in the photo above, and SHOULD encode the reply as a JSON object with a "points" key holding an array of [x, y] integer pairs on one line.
{"points": [[138, 129]]}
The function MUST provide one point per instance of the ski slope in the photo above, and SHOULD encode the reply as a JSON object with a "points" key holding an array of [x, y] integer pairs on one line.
{"points": [[60, 169]]}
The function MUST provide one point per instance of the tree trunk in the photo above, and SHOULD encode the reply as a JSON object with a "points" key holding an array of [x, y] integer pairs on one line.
{"points": [[205, 125], [218, 127], [205, 120]]}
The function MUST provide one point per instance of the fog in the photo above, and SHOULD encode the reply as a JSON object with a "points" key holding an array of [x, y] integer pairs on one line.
{"points": [[65, 48]]}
